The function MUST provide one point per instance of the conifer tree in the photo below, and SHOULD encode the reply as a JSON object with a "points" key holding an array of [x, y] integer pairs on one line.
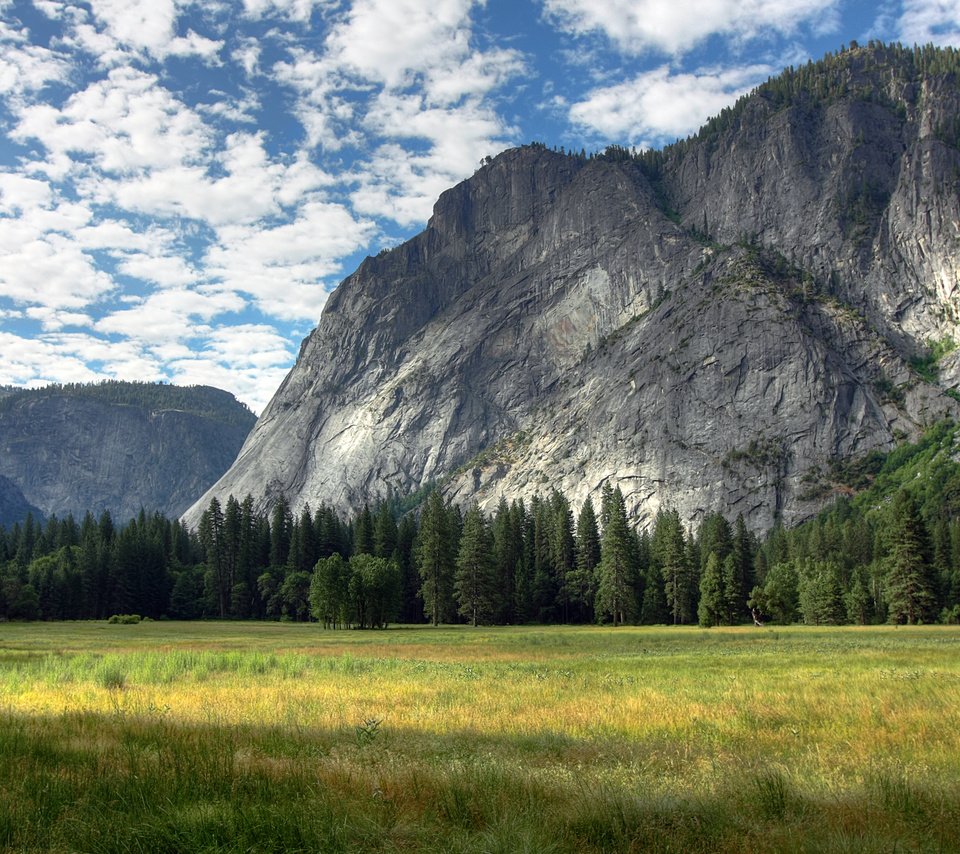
{"points": [[384, 532], [435, 556], [909, 579], [211, 538], [669, 551], [587, 558], [475, 587], [616, 588], [281, 524], [712, 609]]}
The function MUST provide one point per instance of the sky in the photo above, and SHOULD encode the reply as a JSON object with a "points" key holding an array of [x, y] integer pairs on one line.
{"points": [[183, 183]]}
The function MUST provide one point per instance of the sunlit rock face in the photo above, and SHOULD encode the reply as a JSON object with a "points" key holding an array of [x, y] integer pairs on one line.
{"points": [[708, 328]]}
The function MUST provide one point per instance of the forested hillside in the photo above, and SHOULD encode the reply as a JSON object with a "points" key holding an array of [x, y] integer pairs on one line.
{"points": [[888, 550]]}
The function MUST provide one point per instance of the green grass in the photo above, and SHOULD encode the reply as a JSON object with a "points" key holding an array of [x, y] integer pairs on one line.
{"points": [[247, 737]]}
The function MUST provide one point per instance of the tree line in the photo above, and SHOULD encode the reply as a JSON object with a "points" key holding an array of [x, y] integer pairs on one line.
{"points": [[892, 554]]}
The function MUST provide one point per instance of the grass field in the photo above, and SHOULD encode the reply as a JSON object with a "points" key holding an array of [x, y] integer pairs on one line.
{"points": [[172, 737]]}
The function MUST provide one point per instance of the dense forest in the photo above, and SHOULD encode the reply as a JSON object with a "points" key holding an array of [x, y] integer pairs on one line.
{"points": [[888, 550]]}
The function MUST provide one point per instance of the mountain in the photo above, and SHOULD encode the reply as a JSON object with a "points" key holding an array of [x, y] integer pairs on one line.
{"points": [[13, 506], [117, 446], [708, 327]]}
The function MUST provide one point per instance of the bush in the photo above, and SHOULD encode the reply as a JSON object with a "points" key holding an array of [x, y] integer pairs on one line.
{"points": [[125, 619]]}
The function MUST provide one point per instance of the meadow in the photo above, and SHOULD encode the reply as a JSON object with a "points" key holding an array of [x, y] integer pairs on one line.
{"points": [[172, 737]]}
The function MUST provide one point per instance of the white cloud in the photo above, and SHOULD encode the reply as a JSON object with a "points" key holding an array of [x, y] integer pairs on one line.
{"points": [[166, 271], [169, 315], [240, 110], [284, 267], [19, 193], [53, 319], [403, 70], [661, 105], [925, 21], [39, 360], [27, 67], [125, 123], [151, 28], [48, 270], [675, 26], [386, 40], [117, 236], [248, 55], [250, 360], [295, 10]]}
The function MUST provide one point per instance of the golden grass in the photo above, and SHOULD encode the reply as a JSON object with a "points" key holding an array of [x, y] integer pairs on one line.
{"points": [[786, 724]]}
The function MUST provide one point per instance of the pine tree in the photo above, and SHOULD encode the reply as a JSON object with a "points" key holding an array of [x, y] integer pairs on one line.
{"points": [[587, 559], [670, 553], [211, 538], [507, 532], [616, 588], [281, 525], [384, 532], [909, 580], [363, 533], [474, 586], [435, 557], [712, 610], [562, 554]]}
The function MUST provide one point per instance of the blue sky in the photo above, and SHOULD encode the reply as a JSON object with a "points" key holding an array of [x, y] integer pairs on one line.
{"points": [[182, 183]]}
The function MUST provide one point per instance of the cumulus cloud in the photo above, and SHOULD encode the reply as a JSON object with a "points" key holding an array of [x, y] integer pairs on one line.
{"points": [[676, 26], [250, 359], [283, 268], [169, 315], [150, 28], [123, 124], [25, 67], [296, 10], [388, 40], [925, 21], [31, 361], [662, 105]]}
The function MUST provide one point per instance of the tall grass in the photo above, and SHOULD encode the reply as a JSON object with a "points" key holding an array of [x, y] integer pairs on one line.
{"points": [[226, 737]]}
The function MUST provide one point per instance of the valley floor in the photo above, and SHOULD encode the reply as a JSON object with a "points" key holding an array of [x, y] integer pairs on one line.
{"points": [[268, 736]]}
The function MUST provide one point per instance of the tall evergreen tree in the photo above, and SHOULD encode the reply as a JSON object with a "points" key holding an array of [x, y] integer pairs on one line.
{"points": [[587, 552], [909, 580], [281, 526], [384, 532], [363, 532], [435, 557], [712, 609], [211, 538], [475, 587], [669, 551], [616, 588]]}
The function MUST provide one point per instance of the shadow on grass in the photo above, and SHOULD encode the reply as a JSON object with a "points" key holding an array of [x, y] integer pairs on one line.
{"points": [[113, 783]]}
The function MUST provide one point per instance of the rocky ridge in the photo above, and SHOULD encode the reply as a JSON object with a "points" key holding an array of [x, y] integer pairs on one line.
{"points": [[709, 327], [117, 446]]}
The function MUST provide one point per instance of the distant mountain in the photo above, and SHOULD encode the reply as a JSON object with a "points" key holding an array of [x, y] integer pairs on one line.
{"points": [[710, 326], [118, 446], [13, 506]]}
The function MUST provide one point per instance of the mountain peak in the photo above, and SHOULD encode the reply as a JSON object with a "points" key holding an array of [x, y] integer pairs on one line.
{"points": [[708, 326]]}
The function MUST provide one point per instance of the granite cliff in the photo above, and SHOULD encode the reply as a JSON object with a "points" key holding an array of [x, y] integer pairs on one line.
{"points": [[116, 446], [711, 326]]}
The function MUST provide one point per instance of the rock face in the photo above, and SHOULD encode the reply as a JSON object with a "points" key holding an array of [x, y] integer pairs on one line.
{"points": [[709, 327], [118, 446], [13, 506]]}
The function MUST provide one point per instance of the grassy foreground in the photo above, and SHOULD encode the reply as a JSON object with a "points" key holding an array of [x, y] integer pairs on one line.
{"points": [[171, 737]]}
